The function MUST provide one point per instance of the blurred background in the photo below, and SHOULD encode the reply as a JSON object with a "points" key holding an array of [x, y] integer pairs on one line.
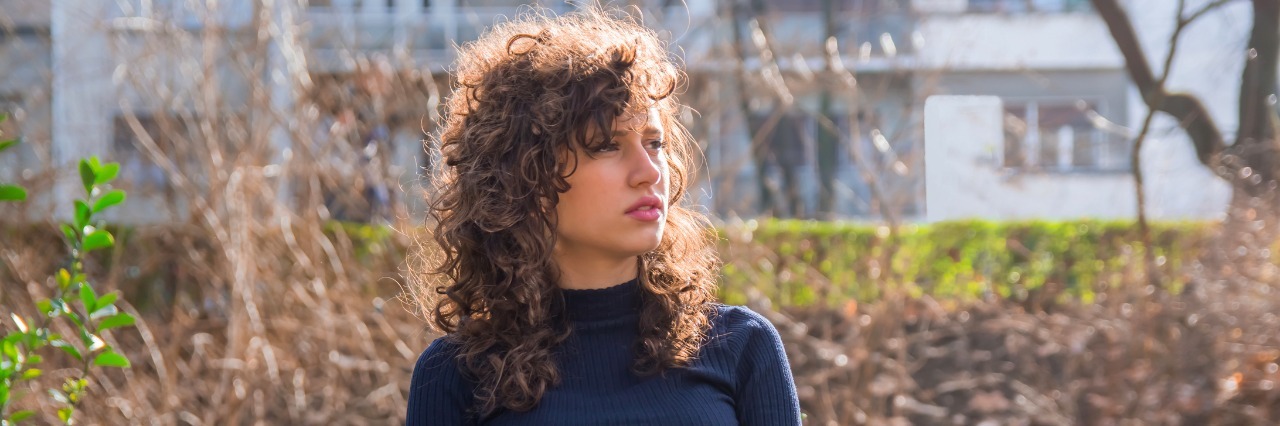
{"points": [[955, 211]]}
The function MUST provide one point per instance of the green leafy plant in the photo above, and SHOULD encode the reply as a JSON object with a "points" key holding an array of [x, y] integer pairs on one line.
{"points": [[9, 192], [74, 302], [960, 260]]}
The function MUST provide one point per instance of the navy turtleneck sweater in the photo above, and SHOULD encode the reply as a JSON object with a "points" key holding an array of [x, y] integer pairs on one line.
{"points": [[740, 377]]}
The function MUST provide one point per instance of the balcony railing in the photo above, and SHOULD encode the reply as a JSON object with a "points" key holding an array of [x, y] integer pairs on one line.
{"points": [[1028, 6], [859, 35], [382, 30], [431, 33]]}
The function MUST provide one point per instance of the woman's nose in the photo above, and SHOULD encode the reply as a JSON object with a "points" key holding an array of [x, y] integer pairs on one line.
{"points": [[646, 167]]}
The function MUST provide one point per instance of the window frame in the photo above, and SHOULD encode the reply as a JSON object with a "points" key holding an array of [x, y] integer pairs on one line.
{"points": [[1101, 138]]}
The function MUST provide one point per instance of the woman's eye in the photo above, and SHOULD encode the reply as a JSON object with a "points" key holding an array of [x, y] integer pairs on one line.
{"points": [[657, 144], [605, 147]]}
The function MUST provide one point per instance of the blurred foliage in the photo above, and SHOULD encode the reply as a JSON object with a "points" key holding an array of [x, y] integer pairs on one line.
{"points": [[75, 309], [797, 263], [802, 262], [366, 240], [9, 192], [928, 324]]}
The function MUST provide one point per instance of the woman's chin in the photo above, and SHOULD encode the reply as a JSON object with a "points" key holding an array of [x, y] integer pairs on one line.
{"points": [[644, 246]]}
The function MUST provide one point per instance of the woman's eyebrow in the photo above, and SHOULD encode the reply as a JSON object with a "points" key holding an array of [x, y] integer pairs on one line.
{"points": [[648, 132]]}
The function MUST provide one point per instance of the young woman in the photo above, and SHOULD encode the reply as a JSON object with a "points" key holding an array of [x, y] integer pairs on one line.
{"points": [[574, 287]]}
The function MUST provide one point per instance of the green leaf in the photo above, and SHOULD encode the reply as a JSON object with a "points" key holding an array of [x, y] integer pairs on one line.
{"points": [[70, 233], [34, 340], [12, 193], [88, 297], [8, 349], [64, 414], [45, 307], [4, 116], [34, 359], [75, 319], [66, 347], [108, 299], [106, 173], [111, 359], [82, 213], [31, 374], [87, 176], [118, 320], [98, 239], [60, 306], [6, 144], [21, 415], [111, 198], [103, 311]]}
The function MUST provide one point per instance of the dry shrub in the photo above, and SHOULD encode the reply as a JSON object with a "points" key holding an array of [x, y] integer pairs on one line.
{"points": [[1141, 356], [319, 337], [316, 336]]}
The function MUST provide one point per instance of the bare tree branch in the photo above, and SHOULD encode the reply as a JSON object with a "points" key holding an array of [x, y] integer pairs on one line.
{"points": [[1203, 10], [1187, 109]]}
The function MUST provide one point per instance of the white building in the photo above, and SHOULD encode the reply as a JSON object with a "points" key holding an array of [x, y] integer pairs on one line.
{"points": [[1067, 103], [1043, 67]]}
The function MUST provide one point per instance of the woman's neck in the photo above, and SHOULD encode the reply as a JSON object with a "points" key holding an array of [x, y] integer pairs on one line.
{"points": [[584, 274]]}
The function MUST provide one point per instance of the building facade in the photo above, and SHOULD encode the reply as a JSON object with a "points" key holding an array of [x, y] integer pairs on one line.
{"points": [[807, 109]]}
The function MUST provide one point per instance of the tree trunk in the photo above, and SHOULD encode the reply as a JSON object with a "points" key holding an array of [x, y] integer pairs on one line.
{"points": [[1254, 159]]}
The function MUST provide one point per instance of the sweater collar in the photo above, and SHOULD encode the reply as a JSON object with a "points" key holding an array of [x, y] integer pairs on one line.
{"points": [[602, 303]]}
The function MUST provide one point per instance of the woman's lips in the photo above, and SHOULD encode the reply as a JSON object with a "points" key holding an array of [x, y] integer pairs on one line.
{"points": [[647, 209], [646, 214]]}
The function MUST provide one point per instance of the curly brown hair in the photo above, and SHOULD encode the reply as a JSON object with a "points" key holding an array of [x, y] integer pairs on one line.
{"points": [[526, 92]]}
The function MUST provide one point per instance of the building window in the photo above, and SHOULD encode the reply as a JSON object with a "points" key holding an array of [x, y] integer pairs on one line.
{"points": [[155, 15], [789, 137], [781, 145], [1058, 136], [136, 168]]}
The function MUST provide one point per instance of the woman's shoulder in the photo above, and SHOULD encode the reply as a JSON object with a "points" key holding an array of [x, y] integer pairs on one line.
{"points": [[739, 317], [438, 393], [741, 325], [438, 362]]}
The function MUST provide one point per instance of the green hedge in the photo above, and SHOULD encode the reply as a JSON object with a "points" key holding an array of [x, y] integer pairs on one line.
{"points": [[799, 262]]}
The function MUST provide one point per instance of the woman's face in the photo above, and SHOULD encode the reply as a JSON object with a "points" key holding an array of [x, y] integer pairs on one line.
{"points": [[616, 205]]}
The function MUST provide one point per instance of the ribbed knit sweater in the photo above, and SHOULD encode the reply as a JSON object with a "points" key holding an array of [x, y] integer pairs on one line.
{"points": [[740, 377]]}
